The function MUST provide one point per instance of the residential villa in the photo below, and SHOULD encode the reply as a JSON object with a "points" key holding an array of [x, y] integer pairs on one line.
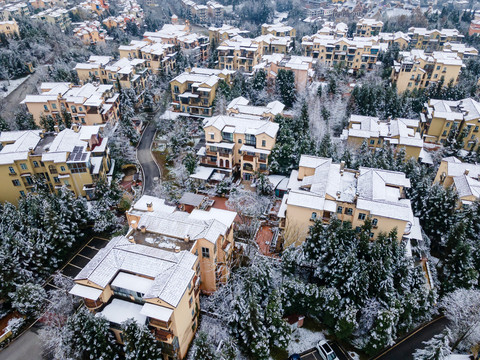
{"points": [[239, 53], [122, 74], [400, 133], [208, 234], [159, 57], [194, 91], [89, 104], [417, 70], [9, 28], [440, 117], [239, 142], [463, 177], [278, 30], [55, 16], [73, 158], [368, 27], [156, 287], [433, 40], [321, 189], [89, 32], [225, 32], [240, 106]]}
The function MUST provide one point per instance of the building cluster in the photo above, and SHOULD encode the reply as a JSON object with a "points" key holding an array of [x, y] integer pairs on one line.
{"points": [[74, 158], [212, 12], [155, 273], [130, 12], [89, 32], [9, 28], [89, 104]]}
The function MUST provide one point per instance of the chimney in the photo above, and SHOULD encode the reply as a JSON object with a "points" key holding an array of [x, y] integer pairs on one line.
{"points": [[56, 128], [338, 194], [177, 249], [134, 224], [131, 239], [342, 165], [187, 238], [30, 150], [143, 229], [75, 127], [466, 172], [150, 206]]}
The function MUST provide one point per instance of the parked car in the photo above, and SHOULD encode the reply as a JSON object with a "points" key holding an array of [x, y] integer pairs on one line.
{"points": [[326, 352], [294, 357]]}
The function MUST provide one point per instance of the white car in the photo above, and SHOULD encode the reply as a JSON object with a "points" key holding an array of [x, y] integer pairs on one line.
{"points": [[325, 351]]}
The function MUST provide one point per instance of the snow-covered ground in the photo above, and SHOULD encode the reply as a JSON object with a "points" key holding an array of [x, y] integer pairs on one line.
{"points": [[303, 339], [13, 85]]}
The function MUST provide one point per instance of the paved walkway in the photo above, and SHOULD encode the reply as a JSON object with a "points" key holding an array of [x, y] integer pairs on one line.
{"points": [[145, 158], [27, 347]]}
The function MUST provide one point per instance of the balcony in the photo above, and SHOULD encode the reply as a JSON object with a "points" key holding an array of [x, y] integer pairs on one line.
{"points": [[92, 304], [163, 335], [248, 158]]}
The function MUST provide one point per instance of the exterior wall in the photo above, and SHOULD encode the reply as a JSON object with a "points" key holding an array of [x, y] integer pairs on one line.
{"points": [[356, 142], [9, 28]]}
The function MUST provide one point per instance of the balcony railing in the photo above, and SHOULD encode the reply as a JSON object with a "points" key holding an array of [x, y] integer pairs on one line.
{"points": [[163, 335]]}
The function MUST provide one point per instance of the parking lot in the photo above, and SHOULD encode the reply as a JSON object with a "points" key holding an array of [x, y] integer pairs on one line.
{"points": [[79, 260]]}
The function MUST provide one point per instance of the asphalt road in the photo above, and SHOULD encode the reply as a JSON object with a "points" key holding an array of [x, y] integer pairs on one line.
{"points": [[145, 158], [404, 349]]}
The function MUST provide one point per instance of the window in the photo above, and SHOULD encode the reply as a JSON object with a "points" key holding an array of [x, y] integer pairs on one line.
{"points": [[52, 169], [22, 193], [80, 108], [339, 210], [190, 301], [54, 106], [45, 107], [16, 182], [212, 136], [35, 164], [348, 211], [264, 143], [362, 216], [444, 133], [314, 216], [447, 125], [198, 268], [23, 166], [358, 229], [193, 312], [76, 168], [62, 168], [239, 141], [56, 180], [371, 235], [29, 180], [372, 142], [205, 252], [375, 222], [263, 167], [11, 169]]}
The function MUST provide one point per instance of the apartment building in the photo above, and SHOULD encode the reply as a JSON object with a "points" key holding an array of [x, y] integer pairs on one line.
{"points": [[14, 11], [240, 106], [301, 66], [155, 287], [463, 177], [225, 32], [97, 7], [278, 30], [194, 91], [122, 74], [9, 28], [89, 104], [205, 233], [463, 51], [159, 57], [400, 133], [238, 143], [89, 32], [211, 12], [192, 44], [329, 28], [73, 158], [440, 117], [321, 189], [417, 70], [239, 53], [55, 16], [356, 54], [399, 39], [368, 27], [215, 11], [45, 4], [272, 44], [433, 40]]}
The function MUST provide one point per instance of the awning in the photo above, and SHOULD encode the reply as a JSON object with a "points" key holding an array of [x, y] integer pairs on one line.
{"points": [[86, 292], [254, 150], [229, 129], [222, 145], [157, 312]]}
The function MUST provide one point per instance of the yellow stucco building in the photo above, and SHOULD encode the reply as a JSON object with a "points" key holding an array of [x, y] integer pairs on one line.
{"points": [[89, 104], [433, 40], [463, 177], [320, 190], [194, 91], [368, 27], [240, 142], [9, 28], [440, 117], [400, 133], [417, 70], [75, 158]]}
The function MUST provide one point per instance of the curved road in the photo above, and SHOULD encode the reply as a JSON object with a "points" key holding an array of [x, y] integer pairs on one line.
{"points": [[404, 349], [149, 167]]}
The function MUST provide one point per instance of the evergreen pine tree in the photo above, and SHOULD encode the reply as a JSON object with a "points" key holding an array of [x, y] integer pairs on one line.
{"points": [[437, 348], [139, 342]]}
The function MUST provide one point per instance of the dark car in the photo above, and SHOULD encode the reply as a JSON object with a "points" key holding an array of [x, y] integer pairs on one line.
{"points": [[294, 357]]}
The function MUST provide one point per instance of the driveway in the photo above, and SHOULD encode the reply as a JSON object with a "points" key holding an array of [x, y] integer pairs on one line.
{"points": [[151, 173], [25, 347], [313, 354], [404, 349]]}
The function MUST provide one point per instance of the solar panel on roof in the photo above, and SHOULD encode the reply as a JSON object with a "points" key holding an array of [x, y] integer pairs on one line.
{"points": [[77, 154]]}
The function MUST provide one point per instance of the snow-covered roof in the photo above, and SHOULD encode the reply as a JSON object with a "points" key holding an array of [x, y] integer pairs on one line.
{"points": [[119, 311], [240, 105], [171, 272], [243, 124]]}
